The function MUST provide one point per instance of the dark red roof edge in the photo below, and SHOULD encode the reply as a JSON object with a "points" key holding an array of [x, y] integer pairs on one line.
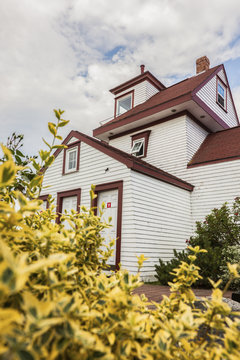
{"points": [[147, 112], [130, 161], [145, 76], [215, 161]]}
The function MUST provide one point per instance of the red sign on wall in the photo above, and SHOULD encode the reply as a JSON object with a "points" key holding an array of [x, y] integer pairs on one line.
{"points": [[109, 205]]}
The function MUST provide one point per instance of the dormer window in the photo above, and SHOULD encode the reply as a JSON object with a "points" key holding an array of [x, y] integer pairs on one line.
{"points": [[123, 103], [138, 147], [221, 94], [140, 144], [71, 158]]}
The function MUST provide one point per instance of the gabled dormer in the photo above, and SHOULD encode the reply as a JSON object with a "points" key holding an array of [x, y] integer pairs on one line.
{"points": [[144, 100], [135, 91]]}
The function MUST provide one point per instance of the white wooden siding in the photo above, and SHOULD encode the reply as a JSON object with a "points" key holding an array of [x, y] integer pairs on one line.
{"points": [[208, 94], [214, 185], [162, 221], [171, 144], [93, 165], [150, 90], [195, 137], [142, 92], [166, 147]]}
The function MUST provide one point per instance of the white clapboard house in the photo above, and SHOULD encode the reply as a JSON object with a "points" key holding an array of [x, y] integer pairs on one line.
{"points": [[168, 156]]}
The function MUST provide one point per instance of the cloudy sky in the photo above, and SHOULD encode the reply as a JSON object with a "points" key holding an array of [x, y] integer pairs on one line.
{"points": [[68, 53]]}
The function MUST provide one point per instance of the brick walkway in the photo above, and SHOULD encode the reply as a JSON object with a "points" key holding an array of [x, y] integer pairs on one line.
{"points": [[155, 292]]}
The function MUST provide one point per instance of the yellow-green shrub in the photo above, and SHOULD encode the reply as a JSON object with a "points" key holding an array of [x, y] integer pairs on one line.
{"points": [[56, 302]]}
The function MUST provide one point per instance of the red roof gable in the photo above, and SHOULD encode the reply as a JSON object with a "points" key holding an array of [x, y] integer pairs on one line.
{"points": [[136, 80], [221, 146], [177, 93], [129, 160]]}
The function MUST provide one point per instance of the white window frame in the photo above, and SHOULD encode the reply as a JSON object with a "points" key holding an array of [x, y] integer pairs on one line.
{"points": [[68, 151], [224, 87], [135, 151], [118, 103]]}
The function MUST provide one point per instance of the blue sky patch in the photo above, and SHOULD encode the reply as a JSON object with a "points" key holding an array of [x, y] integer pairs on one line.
{"points": [[233, 71], [109, 54]]}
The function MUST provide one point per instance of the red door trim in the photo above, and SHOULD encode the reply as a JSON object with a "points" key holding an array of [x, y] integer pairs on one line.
{"points": [[61, 195], [111, 186], [45, 198]]}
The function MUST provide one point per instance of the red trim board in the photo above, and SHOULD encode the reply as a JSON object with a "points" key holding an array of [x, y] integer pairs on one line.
{"points": [[111, 186]]}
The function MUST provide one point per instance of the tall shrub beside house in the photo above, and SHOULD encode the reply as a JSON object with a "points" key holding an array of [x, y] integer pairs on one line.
{"points": [[219, 234], [57, 304]]}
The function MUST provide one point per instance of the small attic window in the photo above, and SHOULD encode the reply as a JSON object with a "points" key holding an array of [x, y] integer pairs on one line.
{"points": [[71, 158], [140, 144], [123, 103], [221, 94], [138, 147]]}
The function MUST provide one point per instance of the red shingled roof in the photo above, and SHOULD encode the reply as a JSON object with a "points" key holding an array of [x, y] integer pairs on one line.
{"points": [[221, 146], [178, 90]]}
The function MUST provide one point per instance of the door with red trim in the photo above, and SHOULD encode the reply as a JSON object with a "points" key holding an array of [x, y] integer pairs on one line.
{"points": [[110, 198], [69, 203]]}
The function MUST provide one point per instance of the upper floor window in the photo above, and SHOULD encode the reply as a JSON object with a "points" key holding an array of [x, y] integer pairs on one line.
{"points": [[123, 103], [140, 144], [138, 147], [71, 158], [221, 94]]}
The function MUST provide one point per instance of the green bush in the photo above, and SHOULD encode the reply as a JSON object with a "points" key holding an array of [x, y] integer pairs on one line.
{"points": [[56, 303], [164, 271], [217, 234], [230, 254]]}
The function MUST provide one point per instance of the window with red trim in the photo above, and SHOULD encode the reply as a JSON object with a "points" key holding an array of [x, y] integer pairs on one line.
{"points": [[140, 144], [221, 94], [124, 103], [71, 158]]}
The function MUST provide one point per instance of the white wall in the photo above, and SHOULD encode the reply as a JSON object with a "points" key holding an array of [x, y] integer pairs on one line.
{"points": [[214, 185], [162, 220], [195, 137], [171, 144], [208, 94]]}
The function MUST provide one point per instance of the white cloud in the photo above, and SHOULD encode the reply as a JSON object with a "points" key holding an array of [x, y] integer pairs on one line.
{"points": [[54, 54]]}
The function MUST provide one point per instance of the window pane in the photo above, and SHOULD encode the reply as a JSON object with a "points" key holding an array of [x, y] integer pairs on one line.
{"points": [[221, 90], [72, 160], [138, 148], [220, 100], [124, 105]]}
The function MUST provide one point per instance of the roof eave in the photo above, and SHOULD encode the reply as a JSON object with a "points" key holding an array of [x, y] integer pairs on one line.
{"points": [[145, 76]]}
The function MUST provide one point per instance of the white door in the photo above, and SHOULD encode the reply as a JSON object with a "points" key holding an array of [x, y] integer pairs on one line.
{"points": [[69, 203], [44, 205], [110, 198]]}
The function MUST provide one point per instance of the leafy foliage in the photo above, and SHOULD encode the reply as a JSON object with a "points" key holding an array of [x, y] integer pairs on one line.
{"points": [[219, 233], [56, 303]]}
